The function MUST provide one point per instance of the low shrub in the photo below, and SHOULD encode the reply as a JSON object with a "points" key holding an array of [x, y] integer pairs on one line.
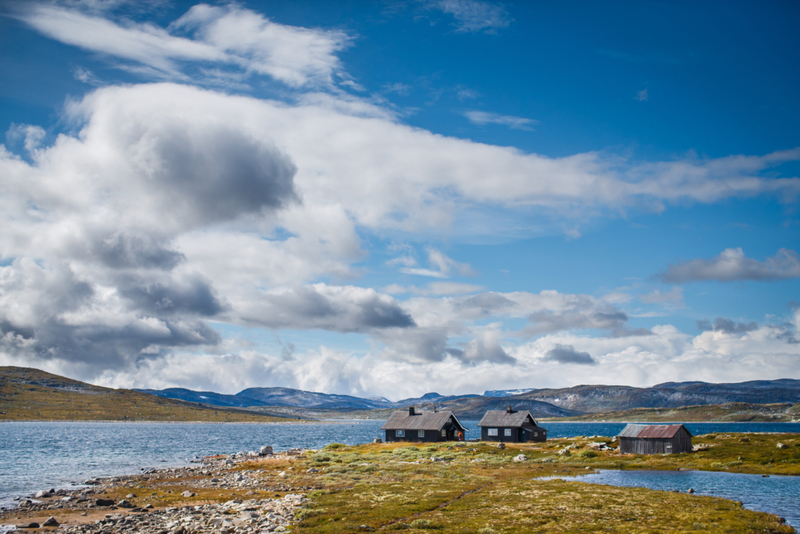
{"points": [[423, 523]]}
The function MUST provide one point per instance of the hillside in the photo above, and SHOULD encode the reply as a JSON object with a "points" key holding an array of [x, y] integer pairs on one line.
{"points": [[735, 412], [30, 394], [599, 398]]}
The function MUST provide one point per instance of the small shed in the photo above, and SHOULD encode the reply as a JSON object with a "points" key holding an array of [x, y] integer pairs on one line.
{"points": [[510, 426], [655, 439], [412, 425]]}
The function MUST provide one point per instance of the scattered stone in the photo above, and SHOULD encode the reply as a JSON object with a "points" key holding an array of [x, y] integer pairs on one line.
{"points": [[312, 470], [377, 440], [130, 496], [265, 450], [690, 490], [51, 522], [520, 458], [29, 525], [187, 494], [125, 504], [501, 445], [104, 502], [783, 446], [42, 494]]}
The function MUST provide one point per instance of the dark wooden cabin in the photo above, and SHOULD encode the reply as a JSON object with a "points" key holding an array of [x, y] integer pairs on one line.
{"points": [[655, 439], [412, 425], [510, 426]]}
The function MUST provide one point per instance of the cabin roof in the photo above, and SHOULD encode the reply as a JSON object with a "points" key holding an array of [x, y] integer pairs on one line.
{"points": [[504, 418], [402, 420], [651, 431]]}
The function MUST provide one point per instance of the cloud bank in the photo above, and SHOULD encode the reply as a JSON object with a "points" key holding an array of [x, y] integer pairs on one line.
{"points": [[166, 215]]}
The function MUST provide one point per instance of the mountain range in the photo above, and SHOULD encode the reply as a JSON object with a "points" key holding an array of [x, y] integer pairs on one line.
{"points": [[564, 402]]}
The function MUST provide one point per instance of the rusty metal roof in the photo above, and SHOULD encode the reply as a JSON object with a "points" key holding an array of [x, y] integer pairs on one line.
{"points": [[502, 418], [651, 431], [402, 420]]}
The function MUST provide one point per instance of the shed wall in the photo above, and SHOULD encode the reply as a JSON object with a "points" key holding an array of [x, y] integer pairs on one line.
{"points": [[681, 442]]}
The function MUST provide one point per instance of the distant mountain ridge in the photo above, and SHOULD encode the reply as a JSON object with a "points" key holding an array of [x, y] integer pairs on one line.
{"points": [[597, 399], [564, 402], [27, 393]]}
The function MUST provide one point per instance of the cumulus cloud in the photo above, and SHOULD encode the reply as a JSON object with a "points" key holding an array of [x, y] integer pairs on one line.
{"points": [[515, 123], [165, 209], [732, 266], [568, 354], [473, 15], [340, 309]]}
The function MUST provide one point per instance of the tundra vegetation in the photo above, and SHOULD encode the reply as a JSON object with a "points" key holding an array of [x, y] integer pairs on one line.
{"points": [[474, 487]]}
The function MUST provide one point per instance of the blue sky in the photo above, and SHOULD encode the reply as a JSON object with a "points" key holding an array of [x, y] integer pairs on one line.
{"points": [[389, 198]]}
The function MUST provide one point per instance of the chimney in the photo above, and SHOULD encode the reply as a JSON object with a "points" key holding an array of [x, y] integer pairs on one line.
{"points": [[509, 410], [411, 410]]}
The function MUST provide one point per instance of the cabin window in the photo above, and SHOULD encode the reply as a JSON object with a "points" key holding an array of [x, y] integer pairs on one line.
{"points": [[535, 434], [444, 433], [400, 433], [420, 433], [507, 432], [492, 431]]}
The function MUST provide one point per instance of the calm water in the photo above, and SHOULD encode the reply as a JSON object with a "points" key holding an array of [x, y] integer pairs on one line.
{"points": [[775, 494], [36, 456]]}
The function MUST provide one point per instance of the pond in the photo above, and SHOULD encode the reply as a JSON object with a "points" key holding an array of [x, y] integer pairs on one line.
{"points": [[774, 494]]}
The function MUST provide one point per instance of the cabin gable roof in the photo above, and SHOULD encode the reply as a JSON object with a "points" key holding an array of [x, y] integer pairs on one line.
{"points": [[402, 420], [504, 418]]}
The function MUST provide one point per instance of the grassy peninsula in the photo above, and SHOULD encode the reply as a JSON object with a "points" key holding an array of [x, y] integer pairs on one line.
{"points": [[32, 395], [462, 488]]}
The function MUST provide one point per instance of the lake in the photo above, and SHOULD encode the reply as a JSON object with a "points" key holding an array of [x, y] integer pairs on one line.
{"points": [[43, 455]]}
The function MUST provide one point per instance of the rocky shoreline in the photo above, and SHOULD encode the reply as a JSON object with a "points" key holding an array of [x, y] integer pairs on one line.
{"points": [[152, 503]]}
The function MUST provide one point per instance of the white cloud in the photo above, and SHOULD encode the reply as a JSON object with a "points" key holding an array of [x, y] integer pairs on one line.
{"points": [[668, 355], [618, 297], [229, 35], [442, 266], [515, 123], [731, 265], [170, 207], [473, 15], [672, 298], [30, 135], [642, 95]]}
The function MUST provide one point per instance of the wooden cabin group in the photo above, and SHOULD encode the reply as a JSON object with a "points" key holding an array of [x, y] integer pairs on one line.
{"points": [[512, 426], [496, 425]]}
